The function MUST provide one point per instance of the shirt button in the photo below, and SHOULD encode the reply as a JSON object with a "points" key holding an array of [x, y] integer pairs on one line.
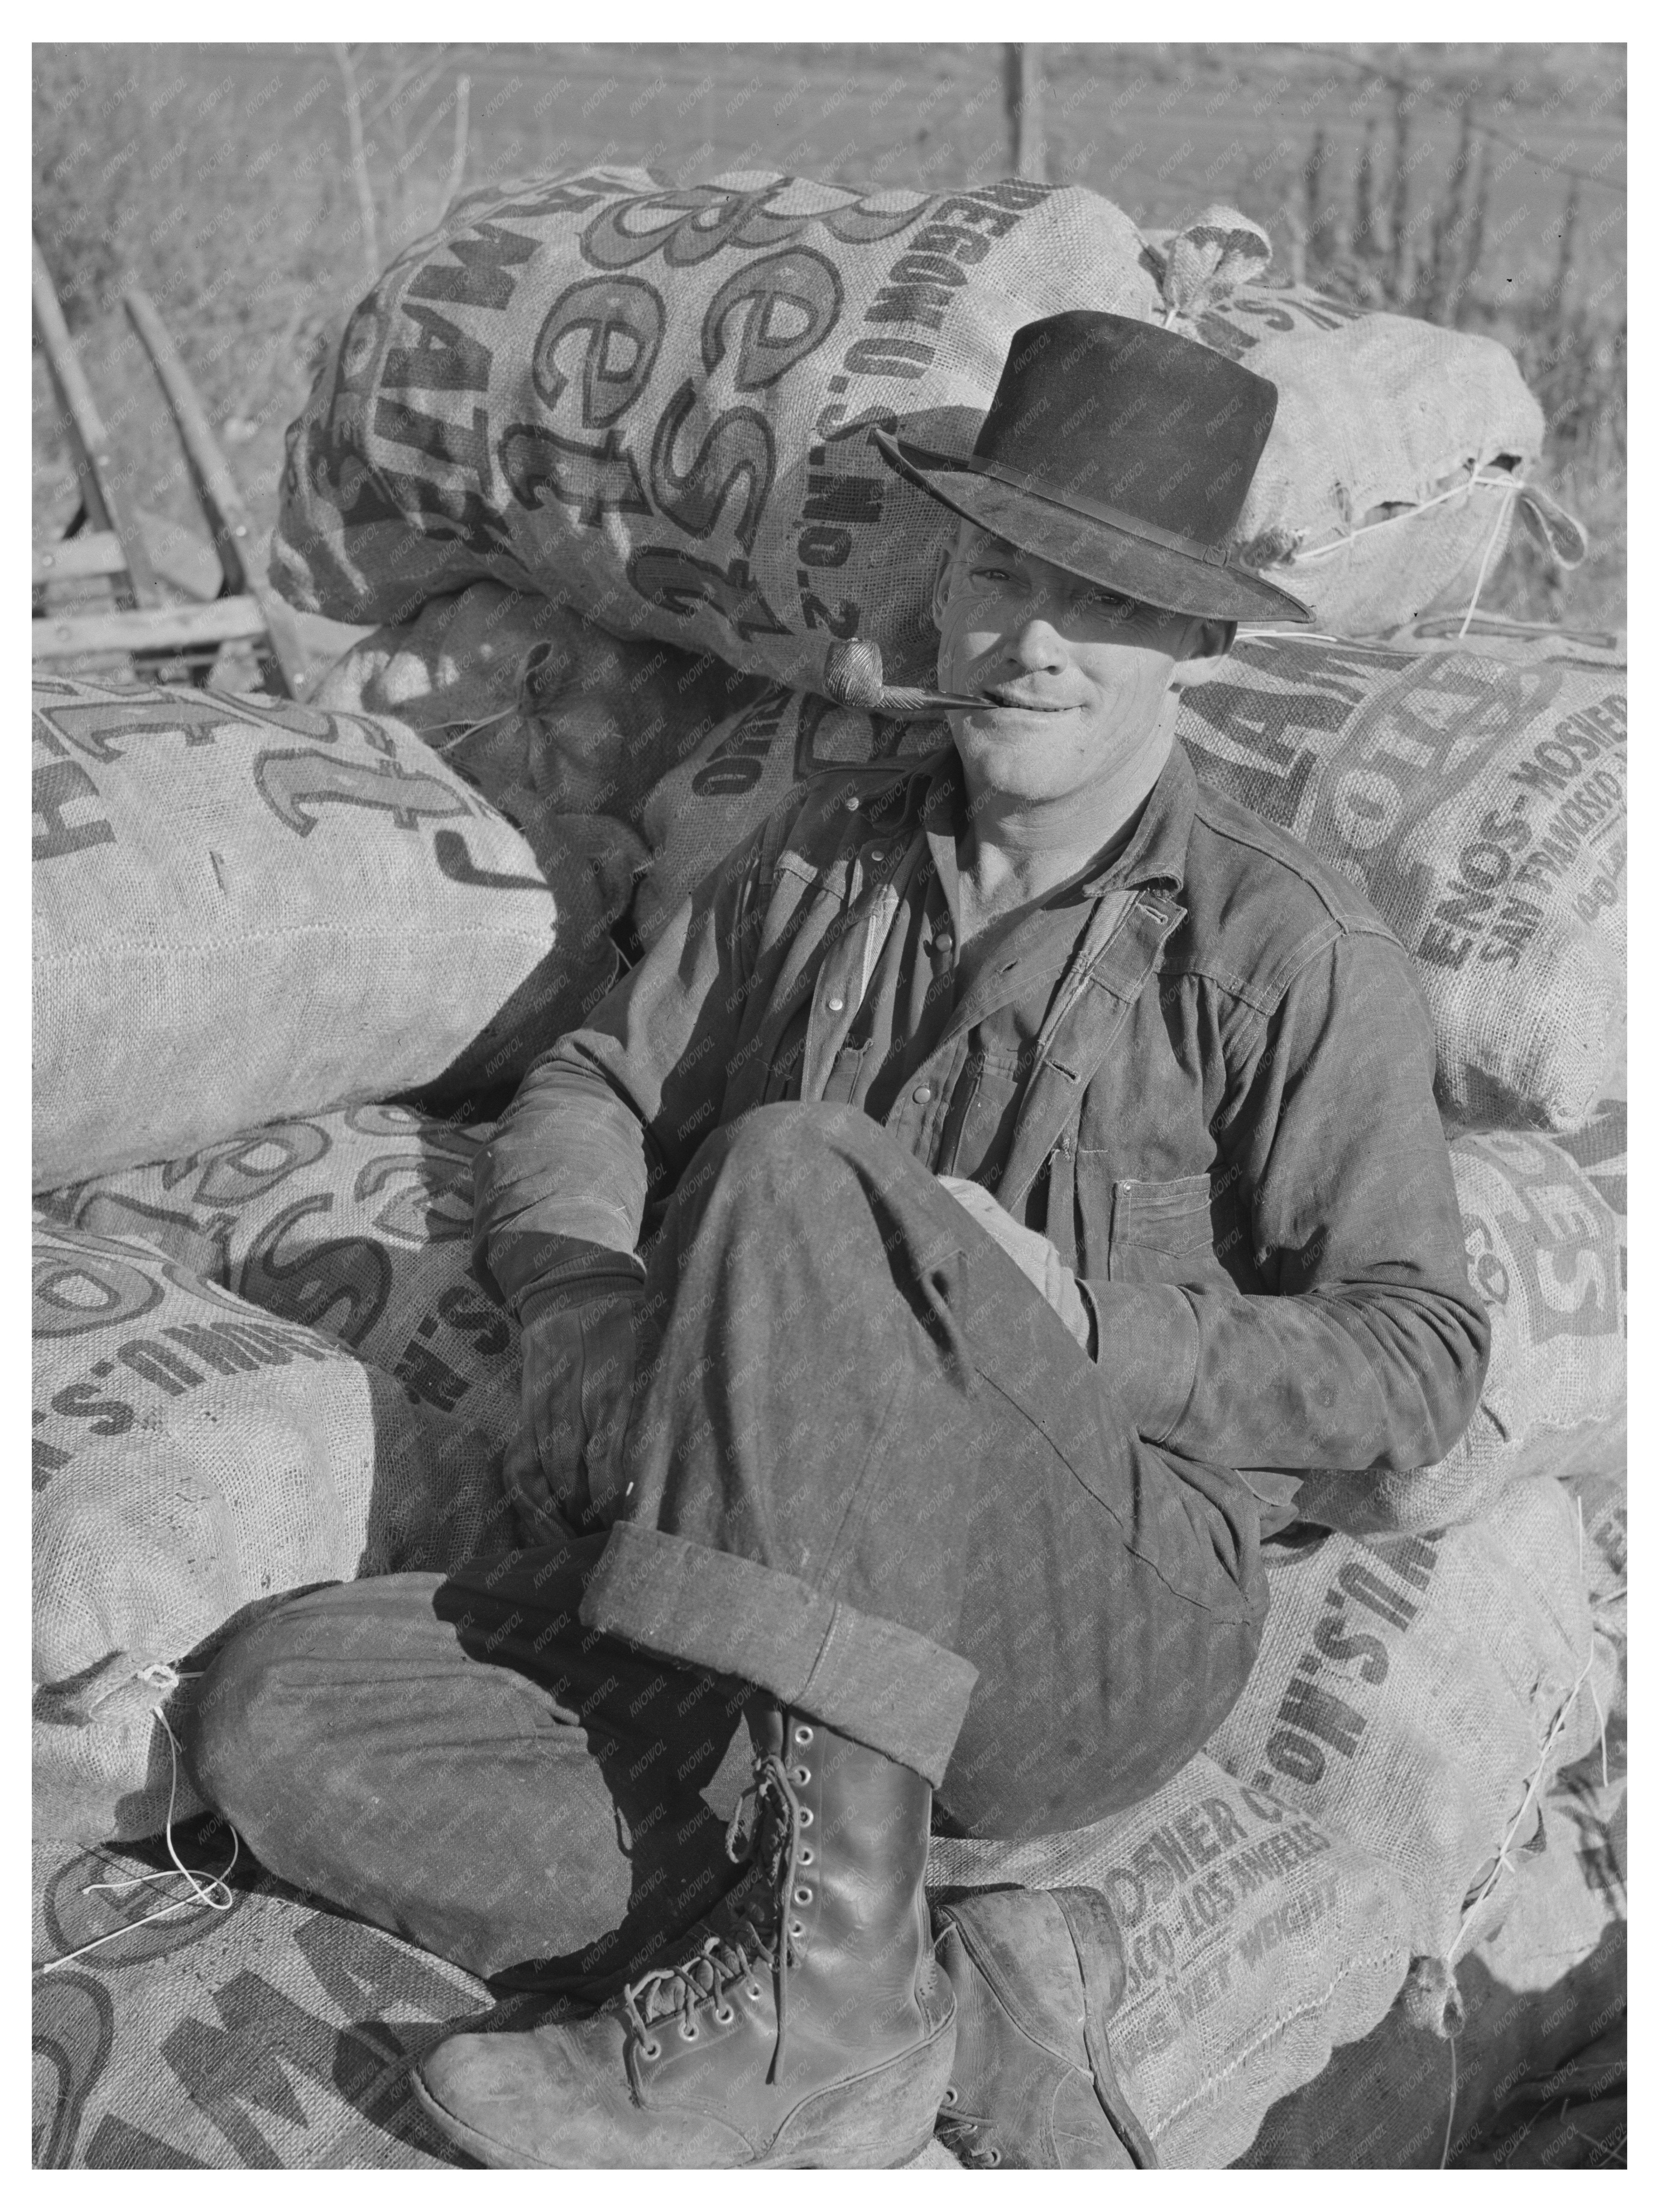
{"points": [[922, 1093], [836, 1005], [851, 802], [876, 855]]}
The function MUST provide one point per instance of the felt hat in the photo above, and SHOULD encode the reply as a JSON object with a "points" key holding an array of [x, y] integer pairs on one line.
{"points": [[1122, 453]]}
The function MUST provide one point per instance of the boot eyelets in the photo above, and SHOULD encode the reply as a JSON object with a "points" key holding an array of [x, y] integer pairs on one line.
{"points": [[805, 1855], [797, 1928], [806, 1816], [725, 2015], [803, 1895], [803, 1735], [952, 2095], [992, 2158], [803, 1775], [652, 2050], [688, 2031], [754, 1990]]}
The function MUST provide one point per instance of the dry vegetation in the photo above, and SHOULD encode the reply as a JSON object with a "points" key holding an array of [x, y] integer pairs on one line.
{"points": [[224, 180]]}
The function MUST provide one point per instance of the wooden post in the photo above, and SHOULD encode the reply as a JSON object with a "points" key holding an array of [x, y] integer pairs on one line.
{"points": [[366, 213], [1022, 99]]}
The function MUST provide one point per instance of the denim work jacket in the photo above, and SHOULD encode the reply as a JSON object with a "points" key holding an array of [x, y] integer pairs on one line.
{"points": [[1226, 1123]]}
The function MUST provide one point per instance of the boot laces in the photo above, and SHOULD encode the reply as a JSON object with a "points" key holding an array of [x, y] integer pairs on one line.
{"points": [[751, 1926]]}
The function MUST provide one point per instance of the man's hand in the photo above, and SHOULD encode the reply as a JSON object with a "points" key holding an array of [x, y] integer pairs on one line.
{"points": [[1030, 1252], [563, 1470]]}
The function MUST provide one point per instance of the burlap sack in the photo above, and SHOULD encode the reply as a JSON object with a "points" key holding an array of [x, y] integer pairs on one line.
{"points": [[1256, 1940], [1480, 803], [358, 1224], [564, 727], [245, 908], [656, 401], [1416, 1695], [1544, 1253], [194, 1456], [1601, 1149], [1391, 478]]}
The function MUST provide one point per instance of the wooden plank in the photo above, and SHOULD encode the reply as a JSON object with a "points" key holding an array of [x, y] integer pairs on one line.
{"points": [[97, 553], [88, 441], [210, 473], [216, 490], [146, 629]]}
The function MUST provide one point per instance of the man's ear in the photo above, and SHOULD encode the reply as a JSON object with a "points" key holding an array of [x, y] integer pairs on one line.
{"points": [[947, 554], [1209, 642]]}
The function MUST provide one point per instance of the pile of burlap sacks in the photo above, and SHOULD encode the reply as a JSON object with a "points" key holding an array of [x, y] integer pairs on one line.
{"points": [[596, 457]]}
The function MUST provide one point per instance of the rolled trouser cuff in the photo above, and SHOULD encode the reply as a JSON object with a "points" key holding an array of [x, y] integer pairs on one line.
{"points": [[871, 1679]]}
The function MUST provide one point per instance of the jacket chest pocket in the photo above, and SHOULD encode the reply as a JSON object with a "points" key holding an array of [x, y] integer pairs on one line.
{"points": [[1156, 1232]]}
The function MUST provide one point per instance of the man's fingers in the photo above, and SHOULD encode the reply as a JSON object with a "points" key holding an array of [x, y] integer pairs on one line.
{"points": [[521, 1474]]}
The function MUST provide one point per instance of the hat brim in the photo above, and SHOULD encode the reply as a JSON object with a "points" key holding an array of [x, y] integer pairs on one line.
{"points": [[1086, 547]]}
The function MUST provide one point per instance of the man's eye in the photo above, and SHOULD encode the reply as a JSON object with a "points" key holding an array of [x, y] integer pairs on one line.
{"points": [[1112, 605], [986, 575]]}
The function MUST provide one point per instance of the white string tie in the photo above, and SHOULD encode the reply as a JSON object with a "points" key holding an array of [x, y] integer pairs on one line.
{"points": [[203, 1889], [1503, 515], [465, 730], [1507, 484]]}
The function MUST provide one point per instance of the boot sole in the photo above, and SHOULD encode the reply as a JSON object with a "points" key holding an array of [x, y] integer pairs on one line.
{"points": [[931, 2059]]}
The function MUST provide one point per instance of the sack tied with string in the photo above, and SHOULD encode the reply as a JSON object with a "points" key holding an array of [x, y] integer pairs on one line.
{"points": [[194, 1456], [1255, 1940], [1389, 483], [1569, 1889], [358, 1224], [1544, 1253], [244, 907], [564, 727], [1543, 1977], [1417, 1694], [274, 2034], [654, 403]]}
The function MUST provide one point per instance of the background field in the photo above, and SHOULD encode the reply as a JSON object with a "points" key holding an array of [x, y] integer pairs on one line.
{"points": [[1478, 185]]}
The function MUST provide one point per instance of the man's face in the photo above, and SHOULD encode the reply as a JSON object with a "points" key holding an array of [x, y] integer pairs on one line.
{"points": [[1075, 676]]}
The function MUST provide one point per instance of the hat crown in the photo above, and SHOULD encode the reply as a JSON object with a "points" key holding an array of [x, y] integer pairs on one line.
{"points": [[1097, 411]]}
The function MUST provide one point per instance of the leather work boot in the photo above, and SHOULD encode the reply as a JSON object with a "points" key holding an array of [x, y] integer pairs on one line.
{"points": [[1037, 1973], [804, 2022]]}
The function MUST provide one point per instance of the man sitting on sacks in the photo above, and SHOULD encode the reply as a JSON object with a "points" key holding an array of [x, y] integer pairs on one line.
{"points": [[936, 1260]]}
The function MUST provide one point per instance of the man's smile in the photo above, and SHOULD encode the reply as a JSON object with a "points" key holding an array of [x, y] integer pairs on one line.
{"points": [[1002, 696]]}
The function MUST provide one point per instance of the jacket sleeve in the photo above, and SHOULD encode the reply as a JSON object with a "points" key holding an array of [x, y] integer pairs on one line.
{"points": [[1370, 1348], [608, 1119]]}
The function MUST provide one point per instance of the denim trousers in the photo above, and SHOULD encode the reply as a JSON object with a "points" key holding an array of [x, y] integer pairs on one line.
{"points": [[870, 1475]]}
